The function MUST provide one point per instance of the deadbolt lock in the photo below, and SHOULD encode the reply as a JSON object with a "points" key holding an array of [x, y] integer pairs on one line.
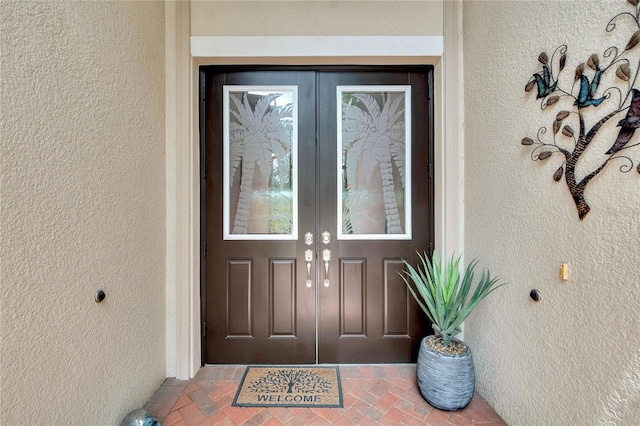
{"points": [[308, 238], [326, 237]]}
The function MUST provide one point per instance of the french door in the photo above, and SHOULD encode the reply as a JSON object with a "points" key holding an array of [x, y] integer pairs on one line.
{"points": [[315, 186]]}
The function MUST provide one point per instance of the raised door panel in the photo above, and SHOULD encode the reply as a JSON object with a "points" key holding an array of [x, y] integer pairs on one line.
{"points": [[396, 300], [239, 293], [282, 298], [353, 298]]}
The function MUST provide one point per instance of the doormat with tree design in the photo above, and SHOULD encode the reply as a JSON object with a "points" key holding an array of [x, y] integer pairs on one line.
{"points": [[289, 386]]}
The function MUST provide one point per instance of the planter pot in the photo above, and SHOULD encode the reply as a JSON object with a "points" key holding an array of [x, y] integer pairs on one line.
{"points": [[446, 382]]}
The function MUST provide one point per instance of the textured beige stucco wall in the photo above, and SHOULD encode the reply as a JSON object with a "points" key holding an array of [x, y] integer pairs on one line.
{"points": [[313, 18], [83, 209], [573, 358]]}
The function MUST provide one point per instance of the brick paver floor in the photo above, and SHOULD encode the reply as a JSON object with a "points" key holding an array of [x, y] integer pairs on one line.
{"points": [[372, 395]]}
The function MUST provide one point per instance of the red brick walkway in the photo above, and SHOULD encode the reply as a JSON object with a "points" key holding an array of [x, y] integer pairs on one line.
{"points": [[372, 394]]}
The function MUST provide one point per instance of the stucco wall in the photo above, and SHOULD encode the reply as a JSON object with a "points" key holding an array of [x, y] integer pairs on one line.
{"points": [[573, 358], [83, 209], [306, 18]]}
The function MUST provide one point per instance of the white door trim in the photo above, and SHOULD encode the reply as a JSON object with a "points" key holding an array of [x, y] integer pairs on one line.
{"points": [[314, 46], [183, 192]]}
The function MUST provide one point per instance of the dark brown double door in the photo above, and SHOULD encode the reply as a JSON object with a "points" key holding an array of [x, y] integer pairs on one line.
{"points": [[302, 242]]}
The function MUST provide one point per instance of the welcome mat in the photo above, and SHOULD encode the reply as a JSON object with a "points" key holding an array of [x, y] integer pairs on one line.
{"points": [[287, 386]]}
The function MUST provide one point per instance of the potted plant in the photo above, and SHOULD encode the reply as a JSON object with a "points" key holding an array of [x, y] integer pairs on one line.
{"points": [[445, 366]]}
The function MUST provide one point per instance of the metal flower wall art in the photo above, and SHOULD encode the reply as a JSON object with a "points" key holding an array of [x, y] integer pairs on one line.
{"points": [[602, 93]]}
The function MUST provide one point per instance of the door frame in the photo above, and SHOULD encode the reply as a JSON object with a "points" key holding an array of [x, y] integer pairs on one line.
{"points": [[420, 109], [183, 307]]}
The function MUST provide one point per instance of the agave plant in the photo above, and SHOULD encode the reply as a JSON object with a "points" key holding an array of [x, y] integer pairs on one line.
{"points": [[443, 294]]}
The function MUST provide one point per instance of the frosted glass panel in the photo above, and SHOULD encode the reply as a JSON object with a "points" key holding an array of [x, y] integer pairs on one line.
{"points": [[260, 167], [374, 180]]}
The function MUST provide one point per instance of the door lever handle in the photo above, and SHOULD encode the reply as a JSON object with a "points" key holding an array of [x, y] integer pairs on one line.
{"points": [[308, 257], [326, 256]]}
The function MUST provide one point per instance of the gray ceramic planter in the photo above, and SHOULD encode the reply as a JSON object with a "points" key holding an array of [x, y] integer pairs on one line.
{"points": [[447, 382]]}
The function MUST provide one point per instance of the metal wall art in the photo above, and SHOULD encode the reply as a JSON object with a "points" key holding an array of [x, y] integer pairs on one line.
{"points": [[585, 107]]}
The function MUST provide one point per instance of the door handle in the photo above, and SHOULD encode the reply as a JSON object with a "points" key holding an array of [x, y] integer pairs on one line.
{"points": [[308, 257], [326, 256]]}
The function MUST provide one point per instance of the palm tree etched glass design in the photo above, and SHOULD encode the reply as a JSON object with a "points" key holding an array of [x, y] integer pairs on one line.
{"points": [[374, 130], [260, 167]]}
